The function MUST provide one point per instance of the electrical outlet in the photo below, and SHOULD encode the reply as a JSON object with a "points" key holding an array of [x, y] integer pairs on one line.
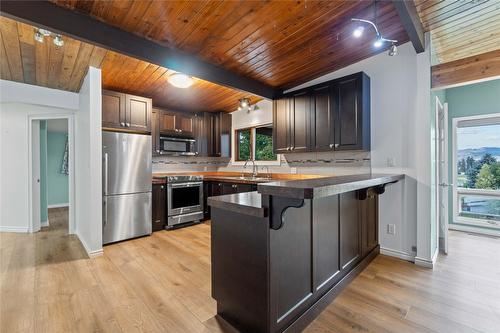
{"points": [[391, 229], [414, 249], [391, 162], [293, 170]]}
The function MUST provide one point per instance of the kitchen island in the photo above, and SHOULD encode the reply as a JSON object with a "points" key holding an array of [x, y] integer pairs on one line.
{"points": [[282, 253]]}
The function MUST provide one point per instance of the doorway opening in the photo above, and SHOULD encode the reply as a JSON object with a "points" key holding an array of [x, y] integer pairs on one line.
{"points": [[51, 174]]}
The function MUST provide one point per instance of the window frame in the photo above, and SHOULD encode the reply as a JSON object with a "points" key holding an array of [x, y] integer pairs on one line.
{"points": [[487, 119], [235, 155]]}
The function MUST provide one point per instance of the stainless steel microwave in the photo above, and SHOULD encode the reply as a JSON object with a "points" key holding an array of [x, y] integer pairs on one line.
{"points": [[177, 146]]}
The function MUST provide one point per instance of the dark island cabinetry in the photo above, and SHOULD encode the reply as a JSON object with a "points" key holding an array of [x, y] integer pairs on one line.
{"points": [[334, 115], [282, 254]]}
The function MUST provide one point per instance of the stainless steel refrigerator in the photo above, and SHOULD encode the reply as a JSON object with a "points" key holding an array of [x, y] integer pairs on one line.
{"points": [[127, 185]]}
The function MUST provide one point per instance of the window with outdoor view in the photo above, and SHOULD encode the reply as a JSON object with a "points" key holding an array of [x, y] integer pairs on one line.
{"points": [[478, 171], [255, 143]]}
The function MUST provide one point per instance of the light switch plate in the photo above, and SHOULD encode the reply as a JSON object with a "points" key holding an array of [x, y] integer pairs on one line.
{"points": [[391, 229]]}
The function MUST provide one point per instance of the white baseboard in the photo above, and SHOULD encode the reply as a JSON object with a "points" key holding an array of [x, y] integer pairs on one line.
{"points": [[424, 262], [44, 223], [476, 230], [397, 254], [58, 205], [91, 254], [14, 229]]}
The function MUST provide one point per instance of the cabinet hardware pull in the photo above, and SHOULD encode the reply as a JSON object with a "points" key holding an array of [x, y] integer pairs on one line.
{"points": [[337, 145], [162, 187], [331, 145], [128, 124], [122, 124]]}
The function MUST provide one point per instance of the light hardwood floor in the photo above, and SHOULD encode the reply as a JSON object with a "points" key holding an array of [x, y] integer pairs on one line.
{"points": [[162, 284]]}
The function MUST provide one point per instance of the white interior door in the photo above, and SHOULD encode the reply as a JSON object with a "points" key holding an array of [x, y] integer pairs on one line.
{"points": [[35, 175], [442, 174]]}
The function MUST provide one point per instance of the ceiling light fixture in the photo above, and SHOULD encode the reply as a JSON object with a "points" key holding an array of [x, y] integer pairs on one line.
{"points": [[58, 41], [180, 80], [358, 32], [379, 39], [393, 50], [244, 103], [38, 37]]}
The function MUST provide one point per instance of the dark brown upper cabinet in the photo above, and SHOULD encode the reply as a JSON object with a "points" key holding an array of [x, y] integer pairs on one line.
{"points": [[176, 123], [126, 112], [213, 134], [333, 115], [281, 130], [352, 103], [300, 117], [322, 118]]}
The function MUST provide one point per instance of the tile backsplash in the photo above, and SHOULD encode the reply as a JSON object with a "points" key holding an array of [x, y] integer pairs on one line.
{"points": [[338, 163]]}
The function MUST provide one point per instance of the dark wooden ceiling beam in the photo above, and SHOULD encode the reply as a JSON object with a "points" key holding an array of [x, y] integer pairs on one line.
{"points": [[47, 15], [411, 21]]}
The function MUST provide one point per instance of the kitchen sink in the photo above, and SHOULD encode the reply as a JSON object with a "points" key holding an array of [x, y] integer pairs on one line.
{"points": [[257, 179]]}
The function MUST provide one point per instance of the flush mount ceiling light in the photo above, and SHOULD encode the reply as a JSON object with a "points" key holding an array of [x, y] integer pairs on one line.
{"points": [[180, 80]]}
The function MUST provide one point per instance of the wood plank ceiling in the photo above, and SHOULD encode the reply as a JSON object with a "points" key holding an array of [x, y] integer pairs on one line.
{"points": [[280, 43], [461, 28], [22, 59]]}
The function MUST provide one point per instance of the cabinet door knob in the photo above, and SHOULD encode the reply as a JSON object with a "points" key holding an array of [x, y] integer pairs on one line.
{"points": [[122, 124], [331, 145], [162, 187], [128, 124], [337, 145]]}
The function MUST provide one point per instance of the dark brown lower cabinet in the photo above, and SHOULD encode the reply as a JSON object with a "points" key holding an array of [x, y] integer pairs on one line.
{"points": [[268, 279], [214, 188], [159, 207]]}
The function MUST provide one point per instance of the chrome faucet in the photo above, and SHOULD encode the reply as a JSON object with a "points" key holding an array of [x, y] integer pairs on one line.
{"points": [[254, 167]]}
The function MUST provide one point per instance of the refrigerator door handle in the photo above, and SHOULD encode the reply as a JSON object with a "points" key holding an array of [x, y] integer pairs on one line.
{"points": [[105, 174], [104, 211]]}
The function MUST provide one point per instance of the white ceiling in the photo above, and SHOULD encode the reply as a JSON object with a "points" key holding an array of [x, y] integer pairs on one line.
{"points": [[57, 125]]}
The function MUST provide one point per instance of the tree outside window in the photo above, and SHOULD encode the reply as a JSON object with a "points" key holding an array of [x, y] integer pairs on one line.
{"points": [[255, 143]]}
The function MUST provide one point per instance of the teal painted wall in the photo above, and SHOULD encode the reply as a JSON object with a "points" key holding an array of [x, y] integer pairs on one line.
{"points": [[58, 187], [44, 214], [472, 100]]}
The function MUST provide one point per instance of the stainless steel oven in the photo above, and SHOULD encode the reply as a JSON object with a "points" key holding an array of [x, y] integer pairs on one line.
{"points": [[177, 146], [184, 199]]}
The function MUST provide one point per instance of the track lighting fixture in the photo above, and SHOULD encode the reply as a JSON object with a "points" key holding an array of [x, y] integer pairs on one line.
{"points": [[58, 41], [379, 39], [244, 104], [40, 35], [393, 50]]}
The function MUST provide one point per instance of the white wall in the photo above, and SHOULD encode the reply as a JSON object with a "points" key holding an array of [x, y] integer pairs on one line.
{"points": [[88, 169], [18, 102], [400, 129]]}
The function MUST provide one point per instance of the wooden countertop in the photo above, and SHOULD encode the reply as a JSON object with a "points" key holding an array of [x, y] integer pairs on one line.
{"points": [[234, 177]]}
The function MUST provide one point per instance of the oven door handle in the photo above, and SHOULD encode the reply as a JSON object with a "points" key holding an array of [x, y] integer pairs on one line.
{"points": [[180, 185]]}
